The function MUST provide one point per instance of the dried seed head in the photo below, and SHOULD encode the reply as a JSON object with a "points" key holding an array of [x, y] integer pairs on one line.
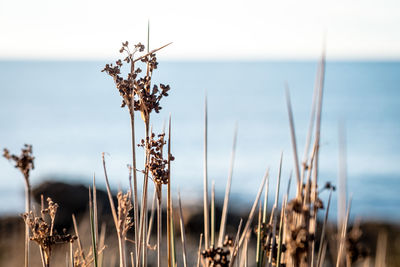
{"points": [[41, 231], [24, 162], [136, 91], [157, 165], [216, 256], [125, 221]]}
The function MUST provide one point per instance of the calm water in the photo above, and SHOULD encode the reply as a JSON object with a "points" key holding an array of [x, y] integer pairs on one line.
{"points": [[70, 112]]}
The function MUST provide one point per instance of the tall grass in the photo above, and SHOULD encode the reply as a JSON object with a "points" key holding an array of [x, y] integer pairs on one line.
{"points": [[287, 236]]}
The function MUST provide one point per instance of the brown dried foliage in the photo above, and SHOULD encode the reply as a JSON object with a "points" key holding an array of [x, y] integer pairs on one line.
{"points": [[42, 232], [157, 165], [136, 91], [24, 162]]}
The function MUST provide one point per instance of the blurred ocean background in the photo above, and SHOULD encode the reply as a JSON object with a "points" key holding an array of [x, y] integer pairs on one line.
{"points": [[70, 112]]}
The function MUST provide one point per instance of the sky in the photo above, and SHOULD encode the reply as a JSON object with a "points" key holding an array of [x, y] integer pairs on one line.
{"points": [[201, 30]]}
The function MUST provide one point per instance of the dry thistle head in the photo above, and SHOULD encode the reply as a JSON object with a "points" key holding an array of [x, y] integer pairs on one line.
{"points": [[136, 92], [24, 162], [124, 207], [157, 165]]}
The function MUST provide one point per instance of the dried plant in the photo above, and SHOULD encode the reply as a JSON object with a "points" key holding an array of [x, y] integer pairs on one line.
{"points": [[138, 94], [25, 163], [287, 238], [157, 165], [43, 233]]}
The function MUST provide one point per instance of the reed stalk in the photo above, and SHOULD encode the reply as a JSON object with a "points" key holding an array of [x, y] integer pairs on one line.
{"points": [[252, 211], [92, 228], [183, 234], [205, 181], [227, 191], [199, 251]]}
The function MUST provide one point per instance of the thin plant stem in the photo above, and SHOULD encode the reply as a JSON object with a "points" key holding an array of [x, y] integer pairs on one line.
{"points": [[169, 201], [227, 191], [81, 252], [92, 228], [95, 216], [143, 213], [205, 181], [101, 243], [71, 254], [159, 225], [293, 138], [236, 246], [27, 210], [252, 211], [153, 202], [183, 235], [258, 249], [199, 251], [134, 191], [324, 230], [343, 236], [212, 213]]}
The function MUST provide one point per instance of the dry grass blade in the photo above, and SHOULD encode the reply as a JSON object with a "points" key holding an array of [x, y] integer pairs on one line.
{"points": [[252, 211], [199, 251], [340, 257], [133, 190], [92, 228], [159, 225], [110, 198], [101, 242], [342, 177], [150, 227], [244, 260], [71, 254], [95, 217], [205, 181], [227, 191], [235, 245], [258, 249], [311, 125], [151, 52], [278, 184], [212, 213], [169, 201], [183, 235], [321, 243], [280, 233], [81, 253], [293, 138]]}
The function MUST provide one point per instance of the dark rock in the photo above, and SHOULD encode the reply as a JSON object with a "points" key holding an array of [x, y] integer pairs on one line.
{"points": [[72, 199]]}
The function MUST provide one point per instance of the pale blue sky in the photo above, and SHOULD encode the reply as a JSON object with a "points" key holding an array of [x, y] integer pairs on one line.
{"points": [[93, 29]]}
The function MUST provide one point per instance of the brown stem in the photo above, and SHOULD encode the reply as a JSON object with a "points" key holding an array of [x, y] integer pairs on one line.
{"points": [[135, 199], [143, 215], [27, 210]]}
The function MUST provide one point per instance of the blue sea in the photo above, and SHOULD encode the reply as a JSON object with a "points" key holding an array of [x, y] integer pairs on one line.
{"points": [[70, 112]]}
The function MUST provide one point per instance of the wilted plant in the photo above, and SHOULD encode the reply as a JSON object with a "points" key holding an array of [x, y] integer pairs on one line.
{"points": [[138, 94], [43, 232], [25, 163]]}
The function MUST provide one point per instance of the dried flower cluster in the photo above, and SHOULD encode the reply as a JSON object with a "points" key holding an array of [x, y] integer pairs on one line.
{"points": [[42, 232], [124, 207], [24, 162], [266, 236], [157, 165], [136, 91], [216, 256]]}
